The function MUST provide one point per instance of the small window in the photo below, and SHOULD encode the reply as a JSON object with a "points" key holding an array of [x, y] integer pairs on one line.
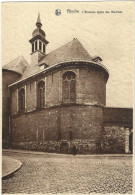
{"points": [[44, 48], [40, 45], [41, 67], [40, 94], [69, 87], [21, 100], [32, 47], [36, 45]]}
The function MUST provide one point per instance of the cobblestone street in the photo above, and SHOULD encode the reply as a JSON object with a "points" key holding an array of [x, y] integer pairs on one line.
{"points": [[51, 173]]}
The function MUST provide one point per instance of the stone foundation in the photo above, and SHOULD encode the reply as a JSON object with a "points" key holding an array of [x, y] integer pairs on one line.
{"points": [[62, 146], [113, 139]]}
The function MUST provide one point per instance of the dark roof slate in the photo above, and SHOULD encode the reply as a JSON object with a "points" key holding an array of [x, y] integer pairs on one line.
{"points": [[18, 65], [118, 115], [73, 50]]}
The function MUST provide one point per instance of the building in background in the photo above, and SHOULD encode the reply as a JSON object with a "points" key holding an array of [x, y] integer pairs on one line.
{"points": [[59, 101]]}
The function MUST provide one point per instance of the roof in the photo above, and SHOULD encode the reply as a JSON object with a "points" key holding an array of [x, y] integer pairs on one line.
{"points": [[18, 65], [118, 115], [38, 31], [73, 50]]}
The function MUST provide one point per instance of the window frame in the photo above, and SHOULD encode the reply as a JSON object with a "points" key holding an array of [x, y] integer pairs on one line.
{"points": [[70, 81], [21, 100], [40, 102]]}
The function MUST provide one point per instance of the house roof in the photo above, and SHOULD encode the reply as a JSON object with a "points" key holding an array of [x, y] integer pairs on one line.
{"points": [[18, 65]]}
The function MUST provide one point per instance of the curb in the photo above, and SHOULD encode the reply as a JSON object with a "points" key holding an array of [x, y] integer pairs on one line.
{"points": [[58, 154], [13, 171]]}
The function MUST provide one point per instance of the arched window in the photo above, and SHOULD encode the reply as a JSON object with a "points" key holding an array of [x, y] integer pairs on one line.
{"points": [[40, 94], [69, 87], [22, 100]]}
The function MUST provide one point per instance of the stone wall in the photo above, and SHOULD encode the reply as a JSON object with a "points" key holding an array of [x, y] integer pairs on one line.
{"points": [[57, 127], [90, 88], [66, 147], [113, 139], [49, 128], [8, 77], [115, 122]]}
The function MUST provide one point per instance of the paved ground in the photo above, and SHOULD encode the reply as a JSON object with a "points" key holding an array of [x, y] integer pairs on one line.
{"points": [[9, 166], [47, 173]]}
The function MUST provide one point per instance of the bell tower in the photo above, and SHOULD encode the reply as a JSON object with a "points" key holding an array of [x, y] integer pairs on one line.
{"points": [[38, 43]]}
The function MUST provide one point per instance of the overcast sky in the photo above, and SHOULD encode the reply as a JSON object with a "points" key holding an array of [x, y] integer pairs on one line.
{"points": [[108, 35]]}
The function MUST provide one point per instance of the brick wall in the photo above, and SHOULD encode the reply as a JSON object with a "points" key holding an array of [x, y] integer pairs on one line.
{"points": [[8, 77], [58, 127], [90, 88], [53, 126], [53, 89], [49, 128], [31, 99]]}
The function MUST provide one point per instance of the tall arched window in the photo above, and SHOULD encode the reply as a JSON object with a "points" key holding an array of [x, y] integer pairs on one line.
{"points": [[22, 100], [69, 87], [40, 94]]}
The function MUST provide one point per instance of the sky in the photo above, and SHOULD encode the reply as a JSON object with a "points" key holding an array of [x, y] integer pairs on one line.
{"points": [[108, 35]]}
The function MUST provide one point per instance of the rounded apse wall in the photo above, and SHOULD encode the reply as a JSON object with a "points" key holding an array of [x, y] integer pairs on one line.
{"points": [[8, 77]]}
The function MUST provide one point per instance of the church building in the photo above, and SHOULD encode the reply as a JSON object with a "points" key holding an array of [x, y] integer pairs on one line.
{"points": [[59, 102]]}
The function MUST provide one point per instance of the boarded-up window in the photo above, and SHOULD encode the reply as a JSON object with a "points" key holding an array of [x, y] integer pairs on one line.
{"points": [[69, 87], [40, 94], [21, 100]]}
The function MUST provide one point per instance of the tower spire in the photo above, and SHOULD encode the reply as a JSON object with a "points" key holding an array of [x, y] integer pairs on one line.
{"points": [[38, 24], [38, 43]]}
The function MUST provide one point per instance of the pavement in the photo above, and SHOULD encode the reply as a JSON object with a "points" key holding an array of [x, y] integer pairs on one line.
{"points": [[60, 173], [9, 166], [58, 154]]}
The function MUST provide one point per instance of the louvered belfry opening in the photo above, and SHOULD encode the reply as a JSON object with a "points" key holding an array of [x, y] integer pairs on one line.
{"points": [[21, 100], [40, 94], [69, 87]]}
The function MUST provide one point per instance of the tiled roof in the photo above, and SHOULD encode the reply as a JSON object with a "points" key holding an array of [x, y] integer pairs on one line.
{"points": [[18, 65]]}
